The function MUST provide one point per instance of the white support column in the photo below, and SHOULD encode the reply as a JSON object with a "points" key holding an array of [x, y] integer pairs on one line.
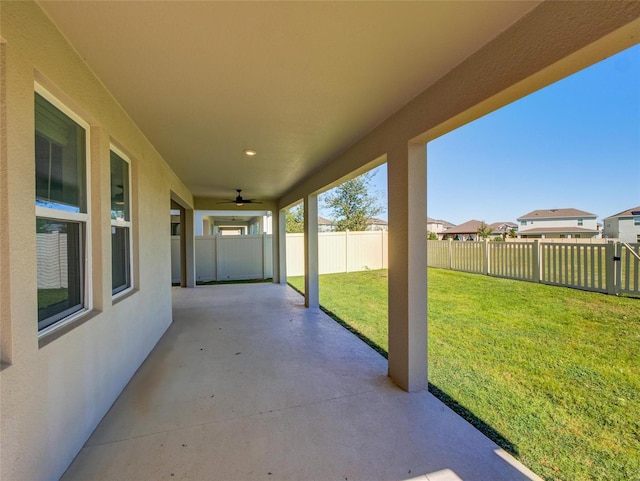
{"points": [[278, 238], [311, 287], [407, 186], [275, 248], [190, 248], [282, 246]]}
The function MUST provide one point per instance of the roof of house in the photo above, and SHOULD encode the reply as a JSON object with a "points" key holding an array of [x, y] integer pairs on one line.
{"points": [[556, 214], [627, 213], [376, 221], [469, 227], [556, 230], [323, 221], [445, 223], [500, 227]]}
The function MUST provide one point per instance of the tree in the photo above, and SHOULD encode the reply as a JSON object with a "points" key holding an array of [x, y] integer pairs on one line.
{"points": [[295, 219], [432, 236], [352, 204], [484, 230]]}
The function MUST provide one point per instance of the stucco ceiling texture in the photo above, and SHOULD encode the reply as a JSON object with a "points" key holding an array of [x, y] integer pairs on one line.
{"points": [[297, 82]]}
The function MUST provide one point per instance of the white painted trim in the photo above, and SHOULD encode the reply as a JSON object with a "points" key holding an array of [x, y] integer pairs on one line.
{"points": [[49, 213], [124, 223], [62, 322], [83, 217]]}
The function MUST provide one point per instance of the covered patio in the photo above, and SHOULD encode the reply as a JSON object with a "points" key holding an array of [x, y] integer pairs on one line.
{"points": [[271, 390], [114, 113]]}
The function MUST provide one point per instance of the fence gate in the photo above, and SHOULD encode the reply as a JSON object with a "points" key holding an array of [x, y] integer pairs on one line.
{"points": [[627, 267]]}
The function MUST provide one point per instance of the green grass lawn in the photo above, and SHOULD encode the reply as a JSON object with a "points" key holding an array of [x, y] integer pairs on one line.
{"points": [[549, 373], [48, 297]]}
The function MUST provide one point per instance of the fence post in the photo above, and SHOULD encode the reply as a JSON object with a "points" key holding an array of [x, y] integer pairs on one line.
{"points": [[217, 255], [536, 259], [381, 248], [610, 263], [346, 250], [450, 253], [619, 247], [264, 255], [487, 269]]}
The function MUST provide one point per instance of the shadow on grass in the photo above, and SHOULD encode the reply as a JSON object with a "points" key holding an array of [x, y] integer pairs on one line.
{"points": [[454, 405], [474, 420]]}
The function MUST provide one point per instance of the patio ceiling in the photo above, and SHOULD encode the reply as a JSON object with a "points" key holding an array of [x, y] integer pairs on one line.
{"points": [[297, 82]]}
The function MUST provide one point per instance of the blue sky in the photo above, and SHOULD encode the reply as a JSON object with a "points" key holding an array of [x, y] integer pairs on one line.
{"points": [[573, 144]]}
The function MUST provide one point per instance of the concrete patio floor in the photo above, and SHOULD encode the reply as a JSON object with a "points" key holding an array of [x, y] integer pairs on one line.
{"points": [[247, 384]]}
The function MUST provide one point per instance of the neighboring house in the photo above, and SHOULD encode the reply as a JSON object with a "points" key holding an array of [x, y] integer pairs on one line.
{"points": [[465, 232], [502, 229], [325, 225], [558, 224], [438, 226], [624, 226], [377, 224]]}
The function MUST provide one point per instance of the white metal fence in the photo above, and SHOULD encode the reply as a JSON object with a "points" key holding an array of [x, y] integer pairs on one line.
{"points": [[611, 268]]}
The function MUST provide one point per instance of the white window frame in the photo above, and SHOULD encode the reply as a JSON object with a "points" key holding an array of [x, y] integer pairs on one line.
{"points": [[80, 217], [123, 223]]}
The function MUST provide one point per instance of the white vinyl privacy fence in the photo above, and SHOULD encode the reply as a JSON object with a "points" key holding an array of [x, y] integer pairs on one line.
{"points": [[224, 258], [340, 252], [612, 268], [52, 260], [220, 258]]}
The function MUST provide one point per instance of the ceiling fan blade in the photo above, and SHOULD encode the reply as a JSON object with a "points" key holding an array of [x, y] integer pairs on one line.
{"points": [[239, 201]]}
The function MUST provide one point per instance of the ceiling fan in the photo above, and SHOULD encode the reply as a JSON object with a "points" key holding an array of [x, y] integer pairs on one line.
{"points": [[239, 201]]}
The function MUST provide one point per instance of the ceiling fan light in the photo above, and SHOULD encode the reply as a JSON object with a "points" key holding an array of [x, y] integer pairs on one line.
{"points": [[250, 152]]}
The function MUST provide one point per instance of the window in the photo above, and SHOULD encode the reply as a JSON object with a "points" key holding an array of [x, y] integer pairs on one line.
{"points": [[61, 140], [120, 223], [636, 221], [523, 222], [580, 222]]}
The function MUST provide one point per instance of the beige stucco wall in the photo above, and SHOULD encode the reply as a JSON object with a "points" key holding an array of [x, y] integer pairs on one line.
{"points": [[52, 396]]}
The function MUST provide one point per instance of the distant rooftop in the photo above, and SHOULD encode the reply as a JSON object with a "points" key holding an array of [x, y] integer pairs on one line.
{"points": [[469, 227], [499, 227], [627, 213], [556, 213], [445, 223]]}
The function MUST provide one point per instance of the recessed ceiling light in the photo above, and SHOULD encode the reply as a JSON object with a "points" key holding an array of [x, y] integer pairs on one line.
{"points": [[250, 152]]}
